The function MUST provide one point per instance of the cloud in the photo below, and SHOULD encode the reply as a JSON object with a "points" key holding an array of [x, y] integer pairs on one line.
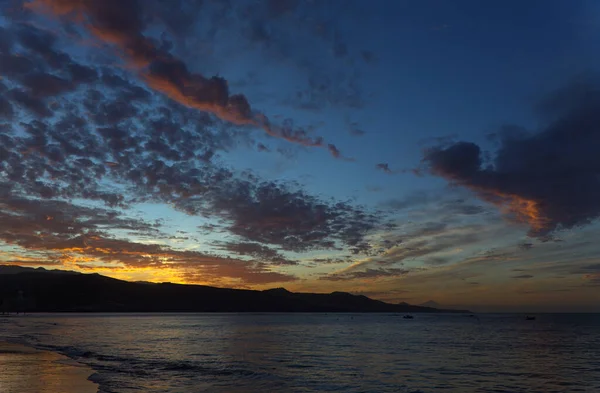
{"points": [[254, 275], [593, 279], [262, 147], [384, 167], [428, 241], [523, 276], [36, 106], [334, 151], [447, 205], [52, 224], [292, 39], [594, 268], [549, 180], [6, 109], [271, 213], [95, 136], [257, 251], [525, 246], [120, 23], [367, 274], [56, 232], [420, 247]]}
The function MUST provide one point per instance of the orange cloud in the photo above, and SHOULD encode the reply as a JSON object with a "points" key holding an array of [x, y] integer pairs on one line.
{"points": [[516, 208], [118, 23]]}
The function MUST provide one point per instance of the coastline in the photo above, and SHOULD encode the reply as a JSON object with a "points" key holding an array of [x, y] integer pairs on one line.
{"points": [[28, 370]]}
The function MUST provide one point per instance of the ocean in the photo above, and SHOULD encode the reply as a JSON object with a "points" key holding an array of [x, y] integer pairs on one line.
{"points": [[376, 353]]}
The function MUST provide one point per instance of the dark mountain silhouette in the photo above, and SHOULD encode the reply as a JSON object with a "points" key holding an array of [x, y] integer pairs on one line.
{"points": [[430, 303], [48, 291], [12, 269]]}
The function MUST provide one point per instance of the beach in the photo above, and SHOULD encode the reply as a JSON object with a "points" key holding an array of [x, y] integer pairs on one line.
{"points": [[28, 370]]}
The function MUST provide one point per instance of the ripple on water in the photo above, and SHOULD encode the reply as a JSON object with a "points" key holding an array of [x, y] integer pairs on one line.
{"points": [[315, 352]]}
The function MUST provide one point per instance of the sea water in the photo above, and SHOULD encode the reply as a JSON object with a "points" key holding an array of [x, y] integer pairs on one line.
{"points": [[323, 352]]}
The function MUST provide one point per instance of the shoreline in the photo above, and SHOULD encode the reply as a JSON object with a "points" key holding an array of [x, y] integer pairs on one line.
{"points": [[26, 369]]}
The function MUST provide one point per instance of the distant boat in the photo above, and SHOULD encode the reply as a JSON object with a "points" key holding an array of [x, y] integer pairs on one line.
{"points": [[528, 318], [408, 317]]}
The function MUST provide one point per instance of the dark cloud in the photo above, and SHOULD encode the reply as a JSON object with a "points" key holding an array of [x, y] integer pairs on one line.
{"points": [[526, 246], [293, 38], [365, 274], [258, 251], [42, 43], [120, 23], [523, 276], [34, 105], [96, 135], [290, 133], [594, 268], [549, 179], [262, 147], [384, 167], [334, 151], [41, 72], [6, 41], [57, 225], [254, 274], [271, 213], [61, 231], [46, 85], [6, 109], [14, 65], [331, 261]]}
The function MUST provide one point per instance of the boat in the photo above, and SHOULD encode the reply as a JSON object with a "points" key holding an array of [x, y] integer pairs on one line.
{"points": [[407, 316], [528, 318]]}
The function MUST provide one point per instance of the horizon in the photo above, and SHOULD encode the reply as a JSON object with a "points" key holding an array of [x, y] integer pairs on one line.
{"points": [[486, 309], [406, 151]]}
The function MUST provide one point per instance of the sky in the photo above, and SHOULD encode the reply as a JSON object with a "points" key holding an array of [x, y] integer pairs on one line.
{"points": [[404, 150]]}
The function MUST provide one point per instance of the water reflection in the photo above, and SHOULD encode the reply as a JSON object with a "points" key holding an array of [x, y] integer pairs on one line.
{"points": [[317, 352], [24, 370]]}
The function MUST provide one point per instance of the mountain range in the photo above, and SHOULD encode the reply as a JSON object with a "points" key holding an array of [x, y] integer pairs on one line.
{"points": [[41, 290]]}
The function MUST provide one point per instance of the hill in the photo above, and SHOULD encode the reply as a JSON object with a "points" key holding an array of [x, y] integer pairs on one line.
{"points": [[430, 303], [12, 269], [47, 291]]}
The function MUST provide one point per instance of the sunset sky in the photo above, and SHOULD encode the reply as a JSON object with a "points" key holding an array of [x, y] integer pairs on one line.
{"points": [[405, 150]]}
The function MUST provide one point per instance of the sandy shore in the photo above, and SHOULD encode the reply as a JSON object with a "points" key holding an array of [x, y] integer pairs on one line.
{"points": [[28, 370]]}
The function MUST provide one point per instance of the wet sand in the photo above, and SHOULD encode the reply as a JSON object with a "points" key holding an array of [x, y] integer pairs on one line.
{"points": [[28, 370]]}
